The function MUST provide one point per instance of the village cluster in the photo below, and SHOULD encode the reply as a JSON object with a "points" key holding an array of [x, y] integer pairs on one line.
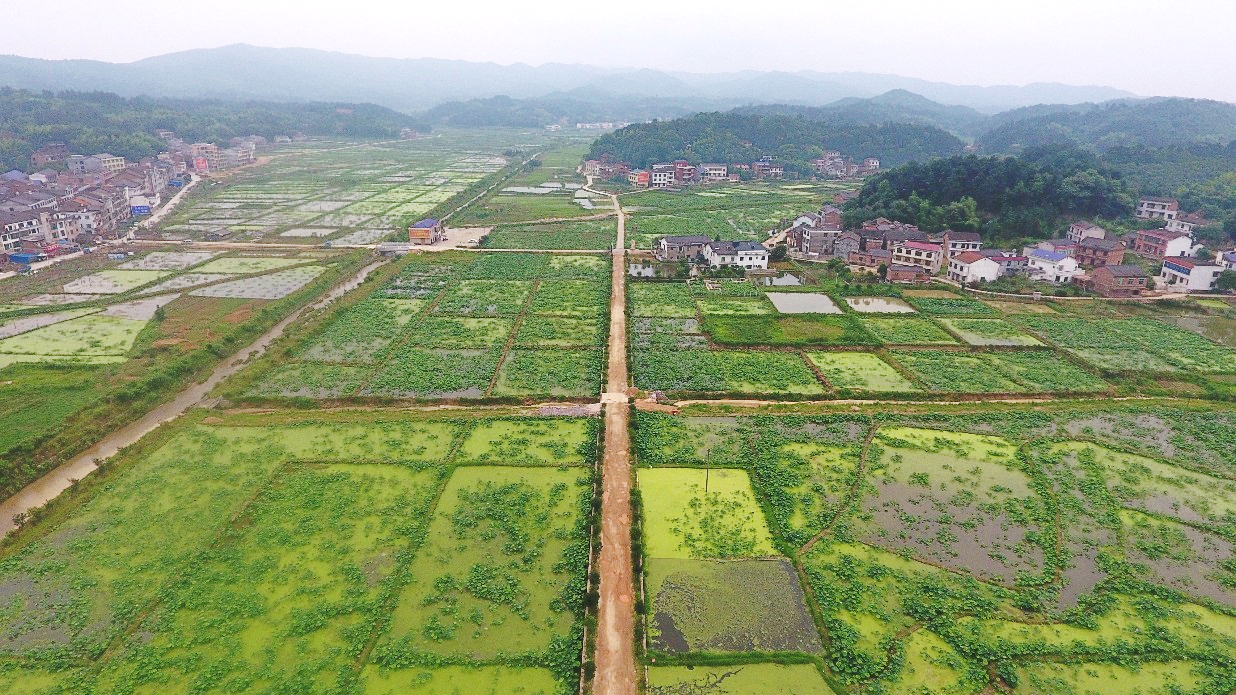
{"points": [[1088, 256], [75, 201], [680, 172]]}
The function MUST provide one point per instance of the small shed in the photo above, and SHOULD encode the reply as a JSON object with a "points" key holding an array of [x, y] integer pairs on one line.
{"points": [[427, 231]]}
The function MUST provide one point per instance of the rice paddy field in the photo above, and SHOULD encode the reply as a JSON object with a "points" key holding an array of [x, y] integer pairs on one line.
{"points": [[100, 341], [348, 192], [453, 326], [1067, 549], [347, 554]]}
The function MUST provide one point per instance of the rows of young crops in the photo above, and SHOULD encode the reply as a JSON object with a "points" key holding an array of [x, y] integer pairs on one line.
{"points": [[941, 557]]}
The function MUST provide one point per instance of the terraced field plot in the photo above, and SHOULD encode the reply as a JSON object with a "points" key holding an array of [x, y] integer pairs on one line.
{"points": [[861, 371], [456, 325]]}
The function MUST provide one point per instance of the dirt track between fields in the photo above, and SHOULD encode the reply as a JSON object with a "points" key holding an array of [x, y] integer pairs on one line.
{"points": [[615, 653]]}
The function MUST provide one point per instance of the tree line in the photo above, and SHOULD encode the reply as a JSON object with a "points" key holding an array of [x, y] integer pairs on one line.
{"points": [[1003, 197], [91, 122], [792, 140]]}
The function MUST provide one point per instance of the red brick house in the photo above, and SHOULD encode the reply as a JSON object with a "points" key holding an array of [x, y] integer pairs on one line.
{"points": [[908, 273], [1094, 252], [1116, 281]]}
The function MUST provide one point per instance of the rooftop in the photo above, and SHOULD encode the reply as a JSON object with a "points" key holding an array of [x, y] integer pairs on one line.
{"points": [[1097, 243], [1053, 256], [1122, 271], [921, 246], [428, 223], [970, 257]]}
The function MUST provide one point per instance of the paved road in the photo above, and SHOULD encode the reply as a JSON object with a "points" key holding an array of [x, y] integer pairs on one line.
{"points": [[615, 657]]}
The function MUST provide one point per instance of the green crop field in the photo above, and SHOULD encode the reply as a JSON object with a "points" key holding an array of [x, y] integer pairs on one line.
{"points": [[453, 326], [907, 331], [1120, 344], [592, 234], [958, 372], [861, 371], [702, 513], [989, 332], [724, 371], [267, 551]]}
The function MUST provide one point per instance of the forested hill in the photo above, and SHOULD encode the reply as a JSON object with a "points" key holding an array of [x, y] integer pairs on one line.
{"points": [[1003, 197], [1151, 123], [101, 122], [793, 140], [896, 106]]}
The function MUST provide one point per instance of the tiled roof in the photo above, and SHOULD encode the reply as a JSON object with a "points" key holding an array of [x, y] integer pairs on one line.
{"points": [[1123, 271], [969, 257]]}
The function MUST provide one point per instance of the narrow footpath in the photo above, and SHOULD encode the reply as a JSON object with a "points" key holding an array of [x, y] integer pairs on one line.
{"points": [[615, 657]]}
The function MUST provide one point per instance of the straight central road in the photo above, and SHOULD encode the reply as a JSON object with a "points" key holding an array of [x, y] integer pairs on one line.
{"points": [[615, 657]]}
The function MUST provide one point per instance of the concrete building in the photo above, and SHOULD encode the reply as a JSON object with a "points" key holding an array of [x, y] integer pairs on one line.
{"points": [[1183, 274], [676, 248], [425, 232], [1160, 243], [743, 254], [927, 256], [1052, 266], [955, 243], [1151, 208], [1085, 230], [714, 172], [1095, 252], [972, 266]]}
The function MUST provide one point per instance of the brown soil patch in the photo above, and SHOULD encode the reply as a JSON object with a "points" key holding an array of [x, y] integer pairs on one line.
{"points": [[167, 342], [212, 420], [242, 314]]}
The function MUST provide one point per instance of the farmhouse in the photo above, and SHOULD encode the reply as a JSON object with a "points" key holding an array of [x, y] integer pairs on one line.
{"points": [[1160, 243], [1085, 230], [1190, 276], [871, 258], [1151, 208], [959, 242], [972, 266], [714, 172], [673, 248], [662, 176], [908, 273], [744, 254], [1115, 280], [1010, 263], [427, 231], [920, 253], [1095, 252], [1055, 267]]}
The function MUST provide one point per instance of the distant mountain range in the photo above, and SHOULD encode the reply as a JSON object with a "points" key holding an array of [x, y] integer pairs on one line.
{"points": [[243, 72]]}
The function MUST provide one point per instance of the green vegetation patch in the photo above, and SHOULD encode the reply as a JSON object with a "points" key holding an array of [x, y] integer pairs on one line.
{"points": [[36, 400], [1042, 370], [560, 373], [418, 373], [310, 380], [1170, 678], [956, 372], [861, 371], [553, 331], [702, 514], [590, 234], [792, 329], [729, 371], [530, 441], [661, 300], [577, 298], [457, 680], [952, 306], [501, 571], [661, 439], [745, 679], [711, 606], [455, 332], [1105, 338], [310, 556], [989, 332], [362, 333], [88, 335], [485, 298], [723, 306], [907, 331]]}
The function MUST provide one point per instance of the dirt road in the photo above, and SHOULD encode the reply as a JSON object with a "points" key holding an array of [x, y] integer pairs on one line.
{"points": [[615, 657]]}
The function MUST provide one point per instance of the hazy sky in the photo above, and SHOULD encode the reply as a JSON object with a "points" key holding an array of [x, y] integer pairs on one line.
{"points": [[1178, 48]]}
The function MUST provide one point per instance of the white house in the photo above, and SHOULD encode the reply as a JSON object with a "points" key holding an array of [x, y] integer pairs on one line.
{"points": [[1085, 230], [920, 253], [744, 254], [1151, 208], [1188, 275], [973, 266], [1055, 267]]}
